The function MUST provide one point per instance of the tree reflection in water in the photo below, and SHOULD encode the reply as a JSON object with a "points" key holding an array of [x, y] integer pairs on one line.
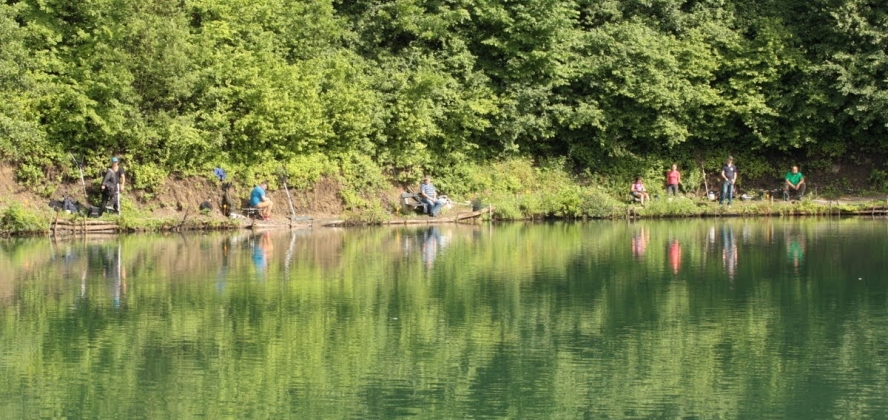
{"points": [[548, 320]]}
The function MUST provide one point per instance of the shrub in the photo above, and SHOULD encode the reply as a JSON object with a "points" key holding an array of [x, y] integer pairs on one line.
{"points": [[146, 176], [17, 220], [879, 179], [362, 182], [305, 170]]}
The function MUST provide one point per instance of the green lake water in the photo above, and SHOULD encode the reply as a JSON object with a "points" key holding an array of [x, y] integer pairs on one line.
{"points": [[706, 319]]}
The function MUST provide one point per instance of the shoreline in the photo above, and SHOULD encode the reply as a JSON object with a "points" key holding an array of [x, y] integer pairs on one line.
{"points": [[33, 223]]}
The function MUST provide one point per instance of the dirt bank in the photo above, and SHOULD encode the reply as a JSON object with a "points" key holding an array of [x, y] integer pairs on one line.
{"points": [[177, 196]]}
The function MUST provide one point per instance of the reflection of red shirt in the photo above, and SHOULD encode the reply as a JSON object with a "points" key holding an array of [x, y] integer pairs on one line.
{"points": [[639, 244], [672, 178], [675, 256]]}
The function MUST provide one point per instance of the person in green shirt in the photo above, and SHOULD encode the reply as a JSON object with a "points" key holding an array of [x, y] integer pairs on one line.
{"points": [[795, 184]]}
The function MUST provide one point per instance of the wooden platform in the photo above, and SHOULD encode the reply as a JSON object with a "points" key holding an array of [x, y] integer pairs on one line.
{"points": [[460, 217], [94, 227], [256, 224], [82, 227]]}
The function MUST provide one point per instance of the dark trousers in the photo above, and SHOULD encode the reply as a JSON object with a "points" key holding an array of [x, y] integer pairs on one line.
{"points": [[672, 189], [109, 201], [787, 192]]}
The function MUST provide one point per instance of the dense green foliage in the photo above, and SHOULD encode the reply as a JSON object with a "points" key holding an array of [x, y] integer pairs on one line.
{"points": [[617, 86], [17, 220]]}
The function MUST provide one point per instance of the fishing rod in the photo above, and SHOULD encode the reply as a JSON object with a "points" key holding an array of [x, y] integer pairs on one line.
{"points": [[283, 175], [80, 167]]}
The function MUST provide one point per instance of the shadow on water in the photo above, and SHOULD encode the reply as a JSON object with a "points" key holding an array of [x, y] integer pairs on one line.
{"points": [[650, 319]]}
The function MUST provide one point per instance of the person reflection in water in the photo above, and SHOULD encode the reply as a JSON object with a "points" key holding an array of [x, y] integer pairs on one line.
{"points": [[223, 271], [729, 250], [640, 242], [675, 255], [115, 273], [431, 244], [261, 248], [795, 251]]}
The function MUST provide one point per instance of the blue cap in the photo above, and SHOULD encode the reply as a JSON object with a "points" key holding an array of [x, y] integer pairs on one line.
{"points": [[114, 160]]}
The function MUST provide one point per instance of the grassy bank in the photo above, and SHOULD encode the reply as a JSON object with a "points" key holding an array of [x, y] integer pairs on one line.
{"points": [[358, 190], [16, 220], [521, 190]]}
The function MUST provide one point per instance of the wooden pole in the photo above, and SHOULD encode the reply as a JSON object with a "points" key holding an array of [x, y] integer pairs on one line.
{"points": [[705, 183]]}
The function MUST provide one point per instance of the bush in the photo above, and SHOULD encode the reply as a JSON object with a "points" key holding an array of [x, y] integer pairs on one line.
{"points": [[305, 170], [362, 182], [879, 179], [17, 220], [146, 176]]}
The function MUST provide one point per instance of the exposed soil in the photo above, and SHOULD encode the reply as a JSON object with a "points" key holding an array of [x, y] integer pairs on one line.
{"points": [[176, 196], [11, 191], [323, 201]]}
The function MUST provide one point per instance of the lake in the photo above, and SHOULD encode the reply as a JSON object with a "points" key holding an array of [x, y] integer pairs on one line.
{"points": [[729, 319]]}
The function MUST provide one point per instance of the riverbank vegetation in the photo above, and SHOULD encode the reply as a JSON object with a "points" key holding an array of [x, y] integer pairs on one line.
{"points": [[519, 189], [487, 98], [20, 221]]}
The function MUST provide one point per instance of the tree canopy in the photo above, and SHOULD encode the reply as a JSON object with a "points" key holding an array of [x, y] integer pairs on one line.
{"points": [[195, 83]]}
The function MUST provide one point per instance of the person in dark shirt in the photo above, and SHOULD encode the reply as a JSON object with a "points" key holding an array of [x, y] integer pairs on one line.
{"points": [[729, 178], [112, 185]]}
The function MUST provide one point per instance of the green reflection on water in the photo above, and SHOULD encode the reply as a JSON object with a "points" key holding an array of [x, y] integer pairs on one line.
{"points": [[708, 318]]}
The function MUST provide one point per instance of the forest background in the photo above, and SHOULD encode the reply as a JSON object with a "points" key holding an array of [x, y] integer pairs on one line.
{"points": [[561, 101]]}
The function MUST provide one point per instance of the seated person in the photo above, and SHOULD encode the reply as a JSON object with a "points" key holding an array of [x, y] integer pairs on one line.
{"points": [[259, 200], [639, 192], [429, 197], [795, 184]]}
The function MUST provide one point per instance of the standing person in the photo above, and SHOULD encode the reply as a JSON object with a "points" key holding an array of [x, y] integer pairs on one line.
{"points": [[429, 197], [259, 200], [112, 185], [639, 192], [729, 178], [673, 178], [795, 183]]}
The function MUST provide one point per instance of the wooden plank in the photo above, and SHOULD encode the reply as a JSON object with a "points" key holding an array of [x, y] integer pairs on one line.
{"points": [[86, 223]]}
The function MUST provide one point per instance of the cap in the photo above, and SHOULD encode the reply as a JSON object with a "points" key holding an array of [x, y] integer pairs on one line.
{"points": [[114, 159], [730, 158]]}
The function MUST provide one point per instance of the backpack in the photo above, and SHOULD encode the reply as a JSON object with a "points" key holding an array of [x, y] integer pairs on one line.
{"points": [[68, 205]]}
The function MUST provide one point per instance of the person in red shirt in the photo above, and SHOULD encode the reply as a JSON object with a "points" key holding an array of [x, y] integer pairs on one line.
{"points": [[673, 178]]}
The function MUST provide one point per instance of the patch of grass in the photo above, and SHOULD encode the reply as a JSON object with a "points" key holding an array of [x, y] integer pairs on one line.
{"points": [[16, 220], [677, 207]]}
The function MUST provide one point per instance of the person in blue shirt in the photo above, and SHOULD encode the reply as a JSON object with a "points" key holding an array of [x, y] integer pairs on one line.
{"points": [[429, 197], [259, 200]]}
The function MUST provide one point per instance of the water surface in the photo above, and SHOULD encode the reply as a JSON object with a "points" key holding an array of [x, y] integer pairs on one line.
{"points": [[736, 319]]}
